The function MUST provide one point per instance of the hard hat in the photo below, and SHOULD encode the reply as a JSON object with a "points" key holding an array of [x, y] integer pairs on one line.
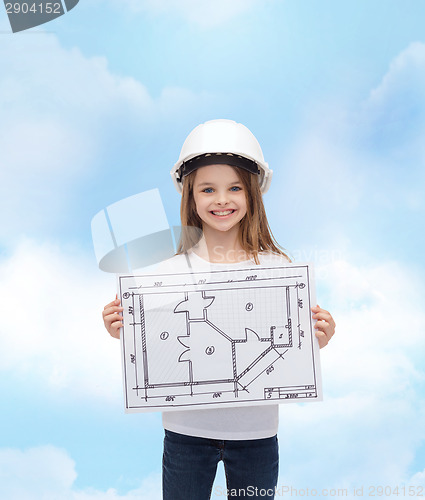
{"points": [[223, 142]]}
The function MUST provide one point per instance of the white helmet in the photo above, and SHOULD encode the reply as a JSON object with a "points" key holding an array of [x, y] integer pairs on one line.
{"points": [[222, 142]]}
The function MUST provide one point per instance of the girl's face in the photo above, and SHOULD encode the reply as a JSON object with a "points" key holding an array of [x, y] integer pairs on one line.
{"points": [[219, 197]]}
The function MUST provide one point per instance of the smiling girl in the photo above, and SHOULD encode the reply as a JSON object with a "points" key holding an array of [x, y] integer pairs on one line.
{"points": [[222, 174]]}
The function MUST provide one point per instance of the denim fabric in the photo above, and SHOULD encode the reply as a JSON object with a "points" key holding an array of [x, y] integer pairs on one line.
{"points": [[190, 463]]}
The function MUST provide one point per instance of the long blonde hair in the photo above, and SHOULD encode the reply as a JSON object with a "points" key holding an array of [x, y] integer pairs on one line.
{"points": [[255, 234]]}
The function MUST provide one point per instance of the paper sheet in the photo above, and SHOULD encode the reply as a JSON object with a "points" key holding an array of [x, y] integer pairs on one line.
{"points": [[219, 338]]}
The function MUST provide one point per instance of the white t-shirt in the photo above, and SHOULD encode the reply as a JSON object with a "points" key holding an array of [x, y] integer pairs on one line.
{"points": [[247, 422]]}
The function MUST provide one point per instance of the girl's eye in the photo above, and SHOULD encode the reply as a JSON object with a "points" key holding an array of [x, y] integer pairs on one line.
{"points": [[236, 187], [207, 190]]}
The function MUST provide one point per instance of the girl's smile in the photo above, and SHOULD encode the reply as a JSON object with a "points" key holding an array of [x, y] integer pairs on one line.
{"points": [[223, 214]]}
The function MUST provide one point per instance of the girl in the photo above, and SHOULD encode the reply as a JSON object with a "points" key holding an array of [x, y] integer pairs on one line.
{"points": [[222, 174]]}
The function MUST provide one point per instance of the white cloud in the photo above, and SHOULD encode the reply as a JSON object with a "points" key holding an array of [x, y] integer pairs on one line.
{"points": [[393, 115], [53, 331], [48, 473], [370, 424], [54, 102], [418, 480], [59, 111], [22, 471], [320, 186], [201, 12], [403, 83], [324, 173], [351, 159]]}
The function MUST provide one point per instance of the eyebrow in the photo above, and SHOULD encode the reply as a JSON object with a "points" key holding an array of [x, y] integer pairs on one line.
{"points": [[212, 184]]}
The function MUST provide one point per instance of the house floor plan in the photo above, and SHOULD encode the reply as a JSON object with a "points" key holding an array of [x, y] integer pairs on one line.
{"points": [[197, 339]]}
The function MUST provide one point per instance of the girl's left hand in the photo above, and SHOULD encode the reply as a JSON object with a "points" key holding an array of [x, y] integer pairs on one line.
{"points": [[325, 325]]}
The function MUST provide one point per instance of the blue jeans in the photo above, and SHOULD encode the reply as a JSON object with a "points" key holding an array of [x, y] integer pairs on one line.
{"points": [[189, 466]]}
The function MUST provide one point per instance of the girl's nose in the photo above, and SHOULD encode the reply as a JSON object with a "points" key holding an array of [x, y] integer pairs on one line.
{"points": [[222, 198]]}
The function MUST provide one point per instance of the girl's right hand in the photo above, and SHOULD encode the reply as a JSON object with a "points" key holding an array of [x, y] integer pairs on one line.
{"points": [[112, 318]]}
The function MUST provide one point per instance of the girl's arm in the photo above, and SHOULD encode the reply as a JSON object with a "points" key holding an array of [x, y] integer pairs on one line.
{"points": [[112, 318], [325, 325]]}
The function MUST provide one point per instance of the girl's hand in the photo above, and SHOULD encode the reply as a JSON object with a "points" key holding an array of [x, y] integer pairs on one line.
{"points": [[325, 325], [112, 318]]}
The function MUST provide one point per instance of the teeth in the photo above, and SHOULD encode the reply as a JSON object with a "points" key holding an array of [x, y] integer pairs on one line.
{"points": [[227, 212]]}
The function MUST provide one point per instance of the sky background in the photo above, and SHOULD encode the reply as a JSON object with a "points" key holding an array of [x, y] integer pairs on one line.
{"points": [[94, 107]]}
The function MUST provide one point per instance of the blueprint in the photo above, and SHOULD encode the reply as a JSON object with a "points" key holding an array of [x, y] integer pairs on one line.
{"points": [[200, 339]]}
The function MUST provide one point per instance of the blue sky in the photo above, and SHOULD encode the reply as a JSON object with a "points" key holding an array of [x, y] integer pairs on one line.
{"points": [[94, 107]]}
